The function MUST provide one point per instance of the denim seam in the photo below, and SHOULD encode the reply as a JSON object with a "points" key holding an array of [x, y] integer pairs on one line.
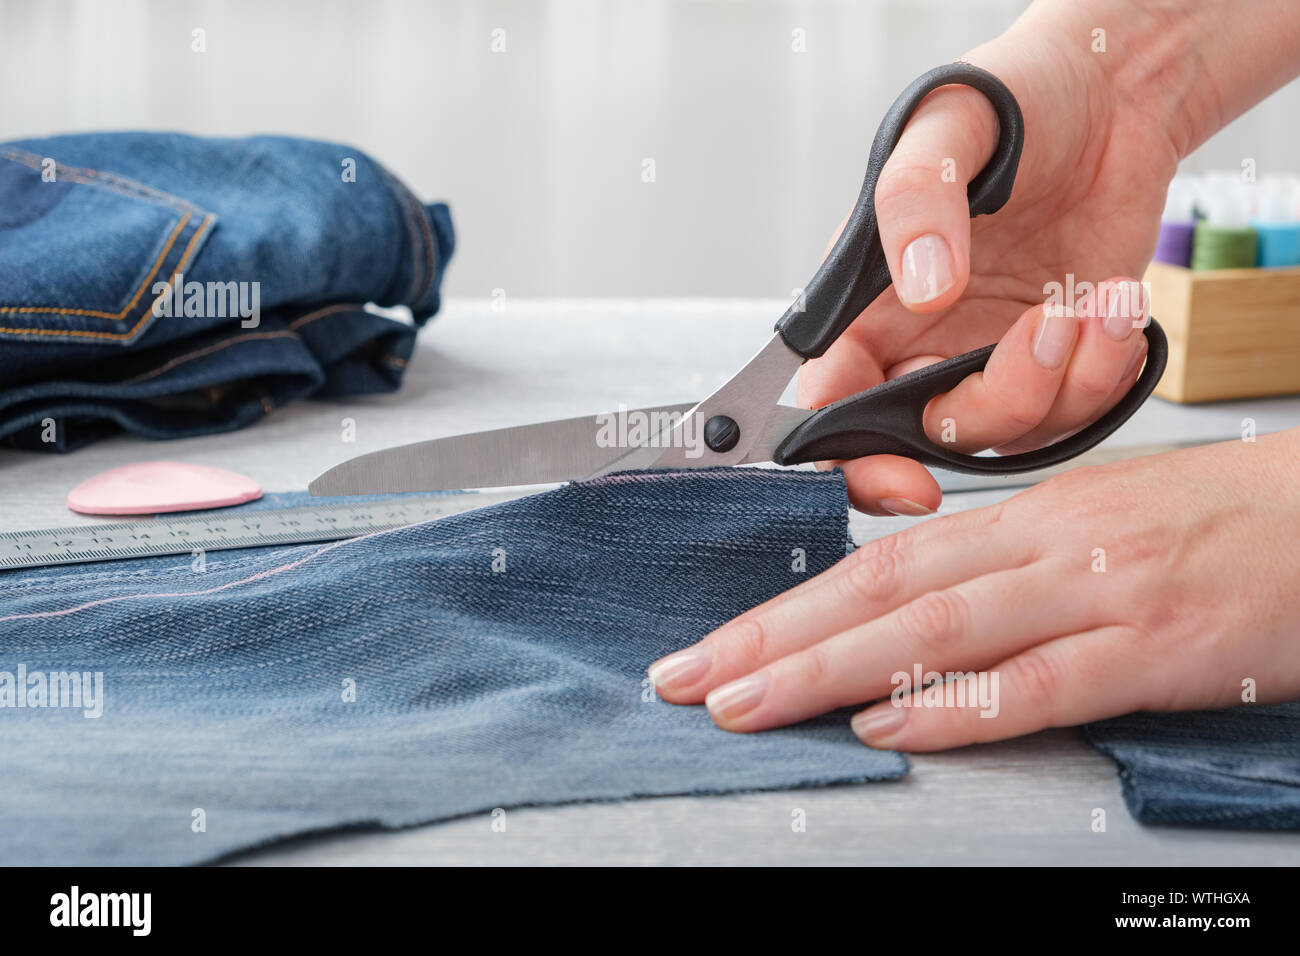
{"points": [[311, 317], [97, 177], [413, 212], [206, 350]]}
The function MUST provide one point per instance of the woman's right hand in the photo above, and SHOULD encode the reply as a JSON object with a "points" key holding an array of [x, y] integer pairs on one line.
{"points": [[1105, 91]]}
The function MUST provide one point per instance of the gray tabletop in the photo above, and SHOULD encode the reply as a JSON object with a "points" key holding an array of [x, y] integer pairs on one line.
{"points": [[1030, 800]]}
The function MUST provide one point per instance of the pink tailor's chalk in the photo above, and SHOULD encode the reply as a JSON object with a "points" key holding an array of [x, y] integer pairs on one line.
{"points": [[151, 487]]}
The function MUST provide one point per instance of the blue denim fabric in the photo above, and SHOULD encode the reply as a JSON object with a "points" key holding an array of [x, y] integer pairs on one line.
{"points": [[81, 254], [475, 688], [1237, 768]]}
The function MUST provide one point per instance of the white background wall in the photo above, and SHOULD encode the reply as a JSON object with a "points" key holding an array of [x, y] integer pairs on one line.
{"points": [[758, 150]]}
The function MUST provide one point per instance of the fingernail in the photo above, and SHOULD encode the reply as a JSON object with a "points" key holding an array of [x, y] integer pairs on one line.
{"points": [[739, 697], [905, 507], [927, 271], [682, 668], [1125, 309], [1054, 336], [877, 725]]}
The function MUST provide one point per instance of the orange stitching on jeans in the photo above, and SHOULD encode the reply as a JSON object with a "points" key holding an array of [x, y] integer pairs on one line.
{"points": [[91, 177], [171, 240], [206, 350], [97, 177], [203, 226], [429, 245], [328, 310]]}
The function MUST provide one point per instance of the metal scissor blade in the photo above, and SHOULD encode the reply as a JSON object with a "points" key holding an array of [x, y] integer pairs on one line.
{"points": [[783, 420], [748, 398], [567, 450]]}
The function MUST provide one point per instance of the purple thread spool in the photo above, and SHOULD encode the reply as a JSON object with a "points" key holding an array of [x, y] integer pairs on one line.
{"points": [[1175, 243]]}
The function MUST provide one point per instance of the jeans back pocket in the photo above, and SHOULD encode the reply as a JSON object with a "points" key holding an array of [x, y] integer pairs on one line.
{"points": [[82, 252]]}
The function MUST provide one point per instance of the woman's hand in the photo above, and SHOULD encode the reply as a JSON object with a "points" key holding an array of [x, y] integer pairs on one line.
{"points": [[1160, 583], [1107, 118]]}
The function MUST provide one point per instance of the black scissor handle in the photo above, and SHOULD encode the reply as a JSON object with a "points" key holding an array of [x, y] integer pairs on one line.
{"points": [[856, 271], [887, 419]]}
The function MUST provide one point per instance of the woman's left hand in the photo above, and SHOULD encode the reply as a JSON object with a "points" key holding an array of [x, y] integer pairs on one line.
{"points": [[1163, 583]]}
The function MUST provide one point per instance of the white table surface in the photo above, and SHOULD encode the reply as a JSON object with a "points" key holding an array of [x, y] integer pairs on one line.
{"points": [[1025, 801]]}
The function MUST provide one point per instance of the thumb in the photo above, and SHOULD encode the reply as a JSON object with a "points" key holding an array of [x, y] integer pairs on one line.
{"points": [[921, 206]]}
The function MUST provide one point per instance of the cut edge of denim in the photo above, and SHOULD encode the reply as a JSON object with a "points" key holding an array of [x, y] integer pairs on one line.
{"points": [[900, 769]]}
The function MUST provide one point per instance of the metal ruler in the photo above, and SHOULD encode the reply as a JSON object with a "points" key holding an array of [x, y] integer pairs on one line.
{"points": [[224, 530]]}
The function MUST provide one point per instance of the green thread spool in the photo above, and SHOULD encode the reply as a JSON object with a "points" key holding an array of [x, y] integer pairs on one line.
{"points": [[1218, 247]]}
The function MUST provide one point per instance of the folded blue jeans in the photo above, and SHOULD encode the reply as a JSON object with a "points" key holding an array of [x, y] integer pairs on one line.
{"points": [[486, 660], [174, 285]]}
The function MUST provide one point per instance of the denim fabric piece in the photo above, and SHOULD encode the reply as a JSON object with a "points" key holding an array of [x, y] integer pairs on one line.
{"points": [[93, 227], [1235, 768], [475, 688]]}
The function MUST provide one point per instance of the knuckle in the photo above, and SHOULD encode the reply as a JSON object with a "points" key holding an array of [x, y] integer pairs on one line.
{"points": [[1038, 678], [984, 517], [874, 573], [902, 186], [1073, 485], [934, 619], [749, 641], [992, 515], [1093, 388], [1091, 493], [1017, 409], [815, 665], [978, 125]]}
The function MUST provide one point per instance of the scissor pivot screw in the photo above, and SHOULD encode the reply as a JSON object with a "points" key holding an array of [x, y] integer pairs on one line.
{"points": [[721, 433]]}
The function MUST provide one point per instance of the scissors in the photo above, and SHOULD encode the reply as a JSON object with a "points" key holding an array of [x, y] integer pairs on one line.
{"points": [[743, 422]]}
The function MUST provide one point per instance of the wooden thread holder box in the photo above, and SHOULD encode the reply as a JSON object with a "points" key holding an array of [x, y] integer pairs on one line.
{"points": [[1233, 333]]}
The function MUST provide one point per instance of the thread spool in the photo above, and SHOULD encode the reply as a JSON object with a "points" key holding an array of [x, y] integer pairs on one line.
{"points": [[1279, 244], [1224, 238], [1177, 225], [1174, 245], [1222, 247], [1276, 223]]}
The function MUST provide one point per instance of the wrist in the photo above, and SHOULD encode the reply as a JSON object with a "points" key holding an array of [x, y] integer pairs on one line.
{"points": [[1187, 67]]}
